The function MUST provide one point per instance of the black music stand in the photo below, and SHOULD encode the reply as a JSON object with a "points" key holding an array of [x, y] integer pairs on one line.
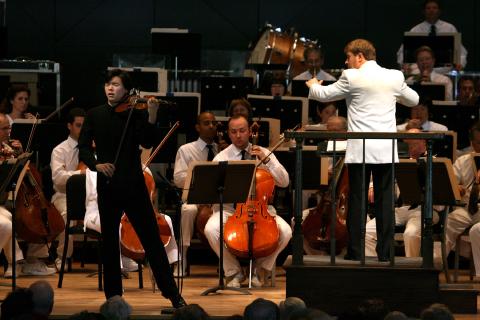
{"points": [[219, 182], [9, 171], [410, 178]]}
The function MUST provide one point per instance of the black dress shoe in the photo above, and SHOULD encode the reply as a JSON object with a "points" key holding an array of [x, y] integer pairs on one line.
{"points": [[383, 259], [178, 301]]}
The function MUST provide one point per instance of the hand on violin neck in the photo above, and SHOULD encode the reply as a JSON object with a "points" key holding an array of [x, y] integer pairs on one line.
{"points": [[106, 168], [152, 109]]}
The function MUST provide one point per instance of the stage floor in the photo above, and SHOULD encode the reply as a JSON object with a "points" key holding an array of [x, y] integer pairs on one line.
{"points": [[80, 292]]}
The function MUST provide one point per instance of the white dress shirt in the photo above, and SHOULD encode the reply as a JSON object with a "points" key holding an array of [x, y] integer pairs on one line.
{"points": [[193, 151], [440, 27], [371, 93], [321, 75], [426, 126], [436, 77], [64, 163]]}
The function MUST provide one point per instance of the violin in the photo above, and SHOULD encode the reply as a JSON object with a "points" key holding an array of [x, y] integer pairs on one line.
{"points": [[129, 241], [316, 227], [134, 101], [252, 232]]}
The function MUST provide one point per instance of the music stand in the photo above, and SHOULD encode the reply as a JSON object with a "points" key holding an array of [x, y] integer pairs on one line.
{"points": [[219, 182], [9, 171], [410, 178]]}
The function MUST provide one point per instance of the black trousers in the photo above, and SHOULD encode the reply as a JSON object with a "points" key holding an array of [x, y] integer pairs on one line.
{"points": [[131, 198], [382, 185]]}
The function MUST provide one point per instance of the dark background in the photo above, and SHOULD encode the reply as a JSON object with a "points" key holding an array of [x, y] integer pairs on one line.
{"points": [[84, 35]]}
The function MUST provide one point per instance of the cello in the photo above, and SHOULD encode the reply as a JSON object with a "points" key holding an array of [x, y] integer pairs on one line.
{"points": [[252, 232], [316, 226], [38, 221], [129, 241]]}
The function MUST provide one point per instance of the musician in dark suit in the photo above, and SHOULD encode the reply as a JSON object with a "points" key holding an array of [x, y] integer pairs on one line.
{"points": [[120, 183]]}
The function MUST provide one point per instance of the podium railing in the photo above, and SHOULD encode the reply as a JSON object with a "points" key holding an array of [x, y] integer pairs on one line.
{"points": [[299, 137]]}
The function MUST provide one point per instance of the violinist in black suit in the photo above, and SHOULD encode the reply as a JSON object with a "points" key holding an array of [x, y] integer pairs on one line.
{"points": [[120, 183]]}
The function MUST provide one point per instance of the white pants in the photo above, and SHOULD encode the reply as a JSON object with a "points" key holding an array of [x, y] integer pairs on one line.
{"points": [[411, 219], [171, 249], [189, 214], [6, 236], [41, 250], [459, 220], [230, 263]]}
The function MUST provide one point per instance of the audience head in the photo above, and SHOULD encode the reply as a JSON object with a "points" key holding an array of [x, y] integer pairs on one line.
{"points": [[372, 309], [313, 57], [17, 303], [86, 315], [42, 297], [396, 315], [240, 107], [289, 305], [437, 311], [261, 309], [425, 58], [309, 314], [359, 51], [190, 312], [116, 308], [431, 11], [474, 135], [16, 99]]}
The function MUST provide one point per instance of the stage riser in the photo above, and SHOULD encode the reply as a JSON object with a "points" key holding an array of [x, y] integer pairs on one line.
{"points": [[338, 290]]}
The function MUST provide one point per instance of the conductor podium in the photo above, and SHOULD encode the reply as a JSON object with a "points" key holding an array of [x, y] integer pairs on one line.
{"points": [[407, 284]]}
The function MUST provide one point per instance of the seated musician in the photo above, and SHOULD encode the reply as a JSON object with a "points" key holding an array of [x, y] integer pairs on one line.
{"points": [[240, 149], [64, 164], [203, 149], [338, 124], [15, 103], [240, 106], [408, 216], [419, 119], [33, 266], [92, 221], [314, 59], [469, 216]]}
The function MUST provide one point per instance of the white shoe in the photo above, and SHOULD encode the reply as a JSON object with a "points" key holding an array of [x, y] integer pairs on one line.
{"points": [[179, 271], [236, 280], [129, 265], [9, 272], [37, 269], [256, 283]]}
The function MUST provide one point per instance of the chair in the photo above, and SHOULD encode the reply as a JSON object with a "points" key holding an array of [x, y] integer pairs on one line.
{"points": [[76, 194]]}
